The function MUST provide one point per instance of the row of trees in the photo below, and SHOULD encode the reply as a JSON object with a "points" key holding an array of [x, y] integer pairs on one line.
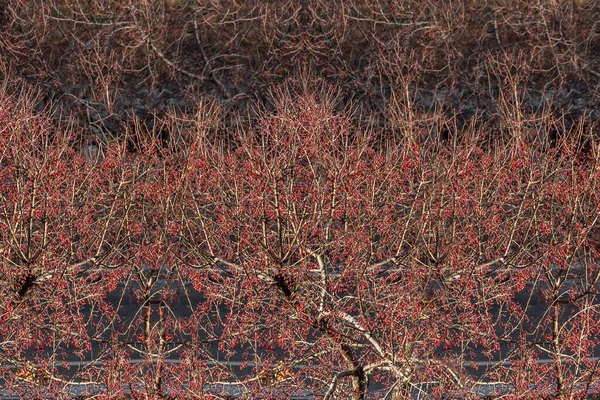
{"points": [[307, 254], [106, 61]]}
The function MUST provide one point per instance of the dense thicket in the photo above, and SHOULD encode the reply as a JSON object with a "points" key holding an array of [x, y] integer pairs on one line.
{"points": [[201, 199]]}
